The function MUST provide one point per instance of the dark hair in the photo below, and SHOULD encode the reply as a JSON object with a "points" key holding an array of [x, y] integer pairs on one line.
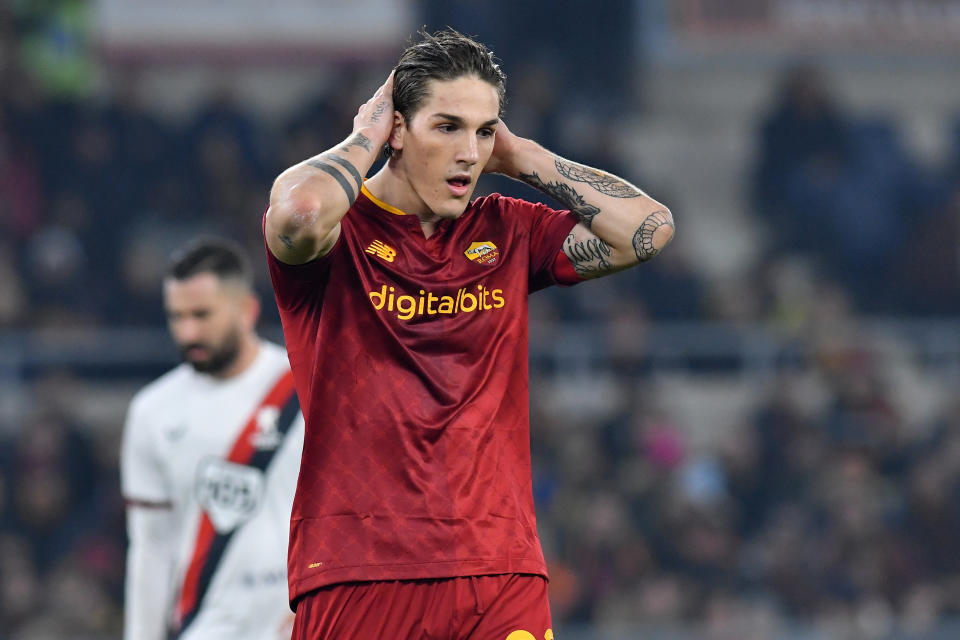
{"points": [[444, 55], [219, 256]]}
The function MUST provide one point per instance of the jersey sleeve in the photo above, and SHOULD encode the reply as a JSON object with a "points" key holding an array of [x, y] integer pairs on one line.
{"points": [[547, 230], [149, 573], [141, 470], [299, 285]]}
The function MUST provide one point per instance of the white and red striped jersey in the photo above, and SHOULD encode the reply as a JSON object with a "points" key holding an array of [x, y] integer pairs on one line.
{"points": [[209, 468]]}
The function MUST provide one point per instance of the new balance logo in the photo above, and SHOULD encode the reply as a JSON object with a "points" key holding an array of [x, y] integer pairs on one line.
{"points": [[382, 251]]}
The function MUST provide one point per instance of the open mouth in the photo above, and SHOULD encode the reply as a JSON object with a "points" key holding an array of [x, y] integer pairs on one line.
{"points": [[459, 184]]}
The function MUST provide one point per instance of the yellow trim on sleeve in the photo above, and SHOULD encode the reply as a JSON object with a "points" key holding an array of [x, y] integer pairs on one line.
{"points": [[380, 203]]}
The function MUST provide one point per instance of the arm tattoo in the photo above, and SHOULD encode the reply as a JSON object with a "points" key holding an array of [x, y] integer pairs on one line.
{"points": [[352, 170], [600, 180], [643, 239], [358, 140], [565, 195], [320, 163], [588, 256], [287, 241]]}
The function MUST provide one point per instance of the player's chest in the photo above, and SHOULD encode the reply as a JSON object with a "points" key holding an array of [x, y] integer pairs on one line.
{"points": [[211, 450], [446, 256], [204, 423]]}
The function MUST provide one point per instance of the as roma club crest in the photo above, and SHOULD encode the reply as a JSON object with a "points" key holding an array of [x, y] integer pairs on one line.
{"points": [[485, 253]]}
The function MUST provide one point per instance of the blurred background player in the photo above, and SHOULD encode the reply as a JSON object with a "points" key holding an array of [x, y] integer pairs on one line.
{"points": [[209, 464]]}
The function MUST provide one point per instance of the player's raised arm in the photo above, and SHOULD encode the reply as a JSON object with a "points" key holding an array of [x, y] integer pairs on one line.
{"points": [[620, 226], [309, 199]]}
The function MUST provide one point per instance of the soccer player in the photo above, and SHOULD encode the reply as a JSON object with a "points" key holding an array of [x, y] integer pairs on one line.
{"points": [[404, 306], [211, 452]]}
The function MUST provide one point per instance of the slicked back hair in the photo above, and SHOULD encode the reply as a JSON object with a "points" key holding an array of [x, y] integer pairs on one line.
{"points": [[444, 55], [219, 256]]}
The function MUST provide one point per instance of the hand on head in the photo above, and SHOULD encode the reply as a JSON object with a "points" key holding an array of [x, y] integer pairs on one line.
{"points": [[375, 117], [503, 149]]}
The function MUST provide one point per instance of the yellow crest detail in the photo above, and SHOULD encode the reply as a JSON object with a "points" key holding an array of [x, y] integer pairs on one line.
{"points": [[484, 252]]}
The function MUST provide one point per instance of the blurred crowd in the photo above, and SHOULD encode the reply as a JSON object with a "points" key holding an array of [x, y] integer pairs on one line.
{"points": [[829, 503]]}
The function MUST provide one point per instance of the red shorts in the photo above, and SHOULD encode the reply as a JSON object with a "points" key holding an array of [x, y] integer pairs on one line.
{"points": [[500, 607]]}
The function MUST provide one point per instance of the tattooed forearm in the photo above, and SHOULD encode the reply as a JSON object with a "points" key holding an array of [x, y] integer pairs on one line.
{"points": [[321, 162], [358, 140], [587, 256], [644, 239], [600, 180], [287, 241], [565, 195]]}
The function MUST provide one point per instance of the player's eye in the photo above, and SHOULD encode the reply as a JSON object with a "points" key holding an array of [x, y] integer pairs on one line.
{"points": [[447, 128], [486, 132]]}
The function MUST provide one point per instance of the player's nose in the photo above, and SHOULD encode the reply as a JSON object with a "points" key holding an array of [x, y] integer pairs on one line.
{"points": [[188, 331], [470, 151]]}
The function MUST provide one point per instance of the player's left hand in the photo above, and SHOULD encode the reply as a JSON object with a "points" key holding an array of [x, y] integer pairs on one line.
{"points": [[504, 146]]}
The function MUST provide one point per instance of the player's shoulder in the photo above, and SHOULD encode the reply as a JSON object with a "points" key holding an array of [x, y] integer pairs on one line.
{"points": [[161, 392], [509, 212], [490, 201], [275, 354], [497, 202]]}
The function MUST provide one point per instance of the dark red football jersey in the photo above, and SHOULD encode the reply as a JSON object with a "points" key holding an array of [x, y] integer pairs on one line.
{"points": [[410, 360]]}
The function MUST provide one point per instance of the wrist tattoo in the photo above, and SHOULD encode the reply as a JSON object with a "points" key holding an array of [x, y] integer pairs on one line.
{"points": [[643, 244], [589, 257], [601, 181], [565, 195], [358, 140]]}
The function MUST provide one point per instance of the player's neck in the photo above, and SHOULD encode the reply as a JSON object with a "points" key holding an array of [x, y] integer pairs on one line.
{"points": [[390, 185], [246, 355]]}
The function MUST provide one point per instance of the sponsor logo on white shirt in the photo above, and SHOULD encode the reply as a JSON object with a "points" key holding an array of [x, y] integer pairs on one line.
{"points": [[229, 493]]}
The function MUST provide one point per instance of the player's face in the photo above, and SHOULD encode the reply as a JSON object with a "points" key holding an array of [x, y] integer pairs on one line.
{"points": [[446, 144], [206, 320]]}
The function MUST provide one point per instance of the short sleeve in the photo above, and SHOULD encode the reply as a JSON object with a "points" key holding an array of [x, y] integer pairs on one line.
{"points": [[142, 477], [548, 228], [297, 285]]}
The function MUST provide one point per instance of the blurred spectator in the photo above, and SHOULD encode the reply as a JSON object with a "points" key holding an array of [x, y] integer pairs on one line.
{"points": [[840, 188], [803, 148], [926, 276]]}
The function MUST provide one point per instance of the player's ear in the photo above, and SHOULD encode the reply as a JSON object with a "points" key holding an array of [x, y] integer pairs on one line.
{"points": [[251, 311], [398, 132]]}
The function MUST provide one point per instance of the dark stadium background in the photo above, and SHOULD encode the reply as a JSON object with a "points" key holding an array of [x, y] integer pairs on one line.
{"points": [[757, 435]]}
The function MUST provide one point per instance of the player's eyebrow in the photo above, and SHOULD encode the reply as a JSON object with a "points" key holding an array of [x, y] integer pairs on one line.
{"points": [[460, 121]]}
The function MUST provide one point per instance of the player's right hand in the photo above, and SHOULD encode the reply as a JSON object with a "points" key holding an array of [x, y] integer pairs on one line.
{"points": [[374, 118]]}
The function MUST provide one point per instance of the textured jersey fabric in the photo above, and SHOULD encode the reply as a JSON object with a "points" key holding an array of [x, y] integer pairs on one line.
{"points": [[410, 358]]}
